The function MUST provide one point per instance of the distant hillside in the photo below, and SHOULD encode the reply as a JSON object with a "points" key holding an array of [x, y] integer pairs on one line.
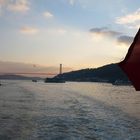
{"points": [[107, 73], [17, 77]]}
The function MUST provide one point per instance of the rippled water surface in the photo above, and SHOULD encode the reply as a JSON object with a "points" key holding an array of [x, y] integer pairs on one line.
{"points": [[69, 111]]}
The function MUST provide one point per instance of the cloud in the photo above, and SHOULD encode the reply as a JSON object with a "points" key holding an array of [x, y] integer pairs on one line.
{"points": [[57, 31], [19, 6], [48, 15], [15, 5], [127, 40], [61, 31], [131, 20], [71, 2], [28, 30], [104, 31], [119, 37]]}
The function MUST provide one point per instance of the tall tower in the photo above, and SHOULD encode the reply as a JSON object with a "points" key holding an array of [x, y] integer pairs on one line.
{"points": [[60, 69]]}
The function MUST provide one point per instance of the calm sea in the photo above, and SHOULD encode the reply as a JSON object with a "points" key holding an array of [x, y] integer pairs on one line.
{"points": [[68, 111]]}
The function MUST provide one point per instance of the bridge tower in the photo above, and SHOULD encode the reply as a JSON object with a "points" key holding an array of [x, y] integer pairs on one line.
{"points": [[60, 69]]}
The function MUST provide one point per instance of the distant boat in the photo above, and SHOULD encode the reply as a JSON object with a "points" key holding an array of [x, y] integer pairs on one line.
{"points": [[54, 80], [34, 80], [121, 83]]}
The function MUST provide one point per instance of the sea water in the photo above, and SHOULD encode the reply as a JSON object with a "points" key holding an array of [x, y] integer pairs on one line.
{"points": [[68, 111]]}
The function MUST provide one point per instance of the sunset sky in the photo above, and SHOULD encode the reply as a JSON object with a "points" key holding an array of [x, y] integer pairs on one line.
{"points": [[41, 34]]}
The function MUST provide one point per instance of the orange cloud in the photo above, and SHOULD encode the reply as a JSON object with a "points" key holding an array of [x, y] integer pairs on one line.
{"points": [[28, 30]]}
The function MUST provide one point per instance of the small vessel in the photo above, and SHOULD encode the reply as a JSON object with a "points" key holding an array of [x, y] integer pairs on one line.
{"points": [[34, 80], [54, 80], [121, 83], [0, 84]]}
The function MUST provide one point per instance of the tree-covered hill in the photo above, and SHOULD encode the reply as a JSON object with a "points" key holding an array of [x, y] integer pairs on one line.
{"points": [[107, 73]]}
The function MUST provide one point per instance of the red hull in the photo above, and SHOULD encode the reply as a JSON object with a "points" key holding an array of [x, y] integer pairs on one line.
{"points": [[131, 64]]}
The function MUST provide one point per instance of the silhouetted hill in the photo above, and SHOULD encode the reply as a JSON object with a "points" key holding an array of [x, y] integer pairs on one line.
{"points": [[17, 77], [107, 73]]}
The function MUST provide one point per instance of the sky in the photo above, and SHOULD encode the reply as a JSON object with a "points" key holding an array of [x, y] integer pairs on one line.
{"points": [[38, 35]]}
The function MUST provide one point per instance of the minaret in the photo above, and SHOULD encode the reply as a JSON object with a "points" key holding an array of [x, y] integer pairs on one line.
{"points": [[60, 69]]}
